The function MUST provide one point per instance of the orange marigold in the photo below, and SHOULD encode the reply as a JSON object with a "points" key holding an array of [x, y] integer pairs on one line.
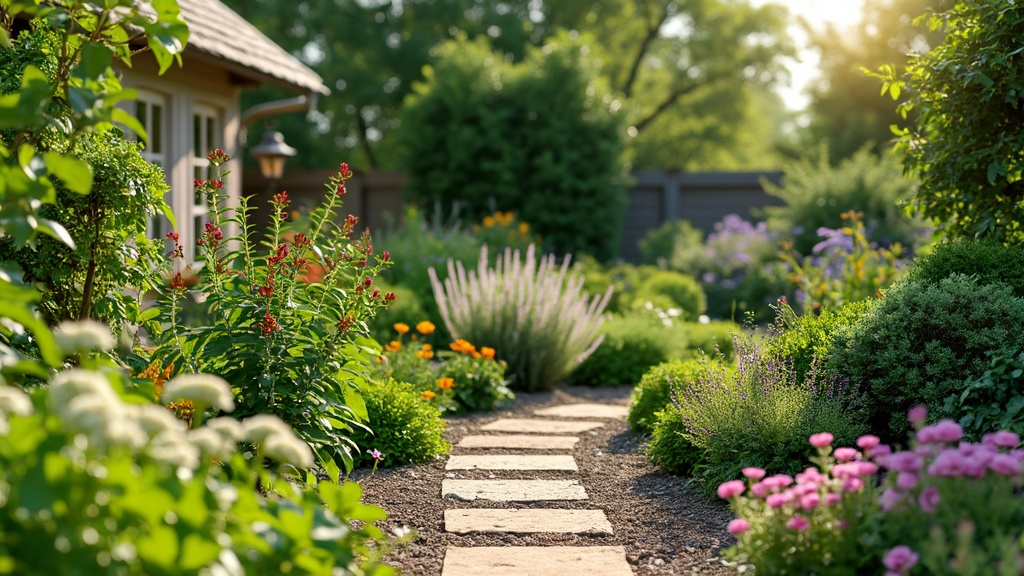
{"points": [[425, 327], [401, 327], [393, 346], [427, 396], [463, 346], [425, 354], [487, 352], [445, 383]]}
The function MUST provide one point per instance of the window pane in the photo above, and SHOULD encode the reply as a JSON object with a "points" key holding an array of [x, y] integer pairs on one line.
{"points": [[156, 134], [210, 133], [197, 137], [140, 114]]}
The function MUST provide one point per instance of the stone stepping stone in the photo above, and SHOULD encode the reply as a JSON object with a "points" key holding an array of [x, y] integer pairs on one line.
{"points": [[510, 462], [519, 441], [584, 411], [512, 490], [538, 426], [536, 561], [527, 520]]}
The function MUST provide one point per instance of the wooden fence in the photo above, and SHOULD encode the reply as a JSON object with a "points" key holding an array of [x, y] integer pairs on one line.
{"points": [[655, 197]]}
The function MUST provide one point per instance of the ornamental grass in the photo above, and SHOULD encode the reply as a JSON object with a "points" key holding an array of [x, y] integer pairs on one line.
{"points": [[531, 311]]}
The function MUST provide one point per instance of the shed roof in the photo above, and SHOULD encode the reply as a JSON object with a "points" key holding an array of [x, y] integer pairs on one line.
{"points": [[218, 31]]}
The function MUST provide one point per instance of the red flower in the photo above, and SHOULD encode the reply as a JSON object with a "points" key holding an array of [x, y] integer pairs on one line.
{"points": [[344, 171], [368, 281], [387, 256], [177, 282], [268, 325], [390, 296]]}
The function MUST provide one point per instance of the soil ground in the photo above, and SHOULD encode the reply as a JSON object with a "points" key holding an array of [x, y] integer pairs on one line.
{"points": [[665, 525]]}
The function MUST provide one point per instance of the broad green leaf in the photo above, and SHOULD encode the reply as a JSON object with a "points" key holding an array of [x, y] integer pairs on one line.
{"points": [[5, 40], [130, 122], [76, 174], [159, 546], [96, 59], [56, 230], [354, 400]]}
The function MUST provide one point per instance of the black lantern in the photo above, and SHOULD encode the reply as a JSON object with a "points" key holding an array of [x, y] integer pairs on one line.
{"points": [[271, 154]]}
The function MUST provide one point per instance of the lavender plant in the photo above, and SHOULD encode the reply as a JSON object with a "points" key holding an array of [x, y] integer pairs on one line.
{"points": [[531, 311]]}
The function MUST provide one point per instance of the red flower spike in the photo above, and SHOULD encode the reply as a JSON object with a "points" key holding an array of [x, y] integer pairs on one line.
{"points": [[368, 281], [359, 288], [375, 294], [218, 184], [387, 256], [389, 297], [362, 263], [197, 183], [177, 282]]}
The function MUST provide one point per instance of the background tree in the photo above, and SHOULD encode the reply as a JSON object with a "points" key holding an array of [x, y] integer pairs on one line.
{"points": [[692, 76], [967, 139], [845, 107]]}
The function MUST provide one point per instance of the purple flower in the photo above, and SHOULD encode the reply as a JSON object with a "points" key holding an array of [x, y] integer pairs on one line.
{"points": [[1002, 439], [929, 499], [1005, 465], [904, 462], [906, 481], [944, 432], [376, 455], [889, 499], [738, 526], [900, 559], [917, 415], [798, 523]]}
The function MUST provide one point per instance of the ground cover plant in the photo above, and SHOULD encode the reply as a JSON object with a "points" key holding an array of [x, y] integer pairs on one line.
{"points": [[534, 314], [944, 506]]}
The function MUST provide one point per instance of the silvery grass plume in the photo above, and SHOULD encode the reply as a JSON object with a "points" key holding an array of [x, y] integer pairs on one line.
{"points": [[533, 313]]}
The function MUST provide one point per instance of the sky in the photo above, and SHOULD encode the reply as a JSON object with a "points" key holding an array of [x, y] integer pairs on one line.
{"points": [[816, 12]]}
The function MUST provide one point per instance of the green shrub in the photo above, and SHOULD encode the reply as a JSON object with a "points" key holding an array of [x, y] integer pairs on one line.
{"points": [[653, 392], [632, 344], [534, 314], [536, 137], [478, 380], [992, 401], [406, 429], [920, 343], [806, 340], [672, 245], [669, 447], [816, 192], [406, 306], [714, 338], [680, 290], [987, 261]]}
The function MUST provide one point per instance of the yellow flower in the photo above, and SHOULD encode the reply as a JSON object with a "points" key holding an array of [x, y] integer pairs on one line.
{"points": [[401, 328], [488, 221], [393, 346], [487, 352], [504, 218], [425, 327], [524, 228], [445, 383], [427, 396]]}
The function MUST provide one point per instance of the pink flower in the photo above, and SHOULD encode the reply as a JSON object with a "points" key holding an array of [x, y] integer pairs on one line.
{"points": [[949, 463], [821, 439], [832, 498], [810, 501], [731, 488], [853, 484], [760, 489], [846, 454], [868, 442], [1005, 465], [865, 468], [929, 499], [811, 476], [1002, 439], [900, 559], [779, 500], [778, 481], [906, 481], [753, 473], [738, 526], [905, 462], [889, 499], [944, 431], [798, 523], [917, 415]]}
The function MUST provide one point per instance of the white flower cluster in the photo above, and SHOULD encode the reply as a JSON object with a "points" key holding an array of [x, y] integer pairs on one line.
{"points": [[83, 336], [89, 406], [12, 401]]}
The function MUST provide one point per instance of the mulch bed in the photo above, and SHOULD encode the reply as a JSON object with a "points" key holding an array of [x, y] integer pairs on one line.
{"points": [[664, 524]]}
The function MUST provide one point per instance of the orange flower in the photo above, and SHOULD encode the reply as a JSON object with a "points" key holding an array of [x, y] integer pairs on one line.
{"points": [[427, 396], [445, 383], [393, 346], [487, 352], [425, 354], [463, 346], [401, 328], [425, 327]]}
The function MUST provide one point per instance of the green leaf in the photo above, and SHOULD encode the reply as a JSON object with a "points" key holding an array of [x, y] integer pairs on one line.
{"points": [[130, 122], [159, 546], [5, 40], [55, 230], [76, 174], [994, 170], [96, 59], [354, 400]]}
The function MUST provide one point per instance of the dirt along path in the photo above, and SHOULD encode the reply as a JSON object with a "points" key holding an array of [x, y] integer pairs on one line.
{"points": [[556, 485]]}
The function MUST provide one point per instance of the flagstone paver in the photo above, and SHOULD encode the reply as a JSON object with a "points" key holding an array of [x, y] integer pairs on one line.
{"points": [[540, 426], [513, 490], [526, 520], [536, 561], [511, 462], [519, 441], [584, 411]]}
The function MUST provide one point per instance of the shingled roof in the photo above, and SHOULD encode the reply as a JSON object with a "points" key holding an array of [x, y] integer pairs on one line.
{"points": [[217, 31]]}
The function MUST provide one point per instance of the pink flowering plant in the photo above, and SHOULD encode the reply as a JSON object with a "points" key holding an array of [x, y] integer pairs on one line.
{"points": [[941, 507], [285, 319]]}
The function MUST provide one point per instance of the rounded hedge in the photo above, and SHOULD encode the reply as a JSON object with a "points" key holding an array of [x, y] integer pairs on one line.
{"points": [[406, 430], [632, 344], [680, 290], [652, 393], [987, 261]]}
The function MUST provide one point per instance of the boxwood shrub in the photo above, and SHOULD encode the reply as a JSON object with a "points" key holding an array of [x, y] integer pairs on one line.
{"points": [[632, 344], [406, 429]]}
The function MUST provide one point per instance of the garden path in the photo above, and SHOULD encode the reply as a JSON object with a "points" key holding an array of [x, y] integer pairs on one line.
{"points": [[528, 560]]}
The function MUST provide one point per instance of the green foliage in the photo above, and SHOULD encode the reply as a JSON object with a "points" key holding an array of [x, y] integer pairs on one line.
{"points": [[669, 447], [844, 267], [111, 252], [406, 429], [962, 144], [652, 393], [478, 382], [921, 341], [987, 262], [632, 344], [660, 245], [992, 401], [817, 193], [677, 290], [712, 338], [289, 345], [407, 304], [534, 314], [805, 341], [536, 138]]}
